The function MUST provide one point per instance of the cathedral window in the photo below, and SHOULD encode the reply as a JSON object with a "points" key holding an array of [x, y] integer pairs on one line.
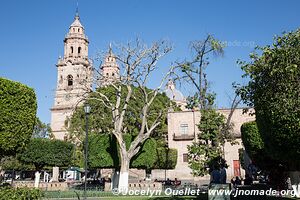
{"points": [[113, 74], [70, 80], [79, 50], [107, 74], [71, 49], [78, 30]]}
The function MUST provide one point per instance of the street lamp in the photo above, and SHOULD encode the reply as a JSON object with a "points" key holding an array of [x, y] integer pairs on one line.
{"points": [[87, 110]]}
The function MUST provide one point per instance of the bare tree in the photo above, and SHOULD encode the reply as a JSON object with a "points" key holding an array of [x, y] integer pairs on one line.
{"points": [[137, 63], [193, 71]]}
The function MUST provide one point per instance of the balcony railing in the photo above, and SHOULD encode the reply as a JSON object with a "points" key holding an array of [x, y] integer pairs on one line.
{"points": [[183, 137]]}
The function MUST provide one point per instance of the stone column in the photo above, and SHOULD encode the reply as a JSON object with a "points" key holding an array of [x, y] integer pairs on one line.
{"points": [[55, 174]]}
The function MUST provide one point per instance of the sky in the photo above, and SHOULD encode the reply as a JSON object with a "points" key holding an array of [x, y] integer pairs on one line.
{"points": [[32, 33]]}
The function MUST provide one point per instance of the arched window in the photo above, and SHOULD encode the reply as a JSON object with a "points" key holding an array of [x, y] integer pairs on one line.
{"points": [[70, 80], [113, 74], [78, 30], [79, 50], [72, 50]]}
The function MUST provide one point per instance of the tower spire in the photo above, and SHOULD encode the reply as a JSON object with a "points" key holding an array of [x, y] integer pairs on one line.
{"points": [[110, 49], [77, 11]]}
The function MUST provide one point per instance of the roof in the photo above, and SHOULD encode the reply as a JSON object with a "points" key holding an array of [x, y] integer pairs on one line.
{"points": [[76, 22]]}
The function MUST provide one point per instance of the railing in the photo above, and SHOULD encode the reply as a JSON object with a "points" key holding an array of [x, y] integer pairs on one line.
{"points": [[183, 137]]}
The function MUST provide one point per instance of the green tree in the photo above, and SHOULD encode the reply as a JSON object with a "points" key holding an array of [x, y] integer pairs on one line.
{"points": [[17, 116], [207, 151], [273, 90], [214, 128], [45, 152]]}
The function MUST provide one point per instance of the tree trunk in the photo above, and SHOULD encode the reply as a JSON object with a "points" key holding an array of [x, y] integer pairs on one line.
{"points": [[124, 172], [37, 179]]}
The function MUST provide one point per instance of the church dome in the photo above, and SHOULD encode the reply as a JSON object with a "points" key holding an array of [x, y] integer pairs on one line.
{"points": [[173, 93]]}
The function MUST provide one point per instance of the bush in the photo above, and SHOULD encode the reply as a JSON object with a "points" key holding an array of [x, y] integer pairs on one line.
{"points": [[20, 194]]}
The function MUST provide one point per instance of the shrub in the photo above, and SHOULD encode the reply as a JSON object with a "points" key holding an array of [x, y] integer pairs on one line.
{"points": [[20, 194]]}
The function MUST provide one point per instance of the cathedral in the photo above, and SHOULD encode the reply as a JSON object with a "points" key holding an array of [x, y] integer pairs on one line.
{"points": [[74, 82]]}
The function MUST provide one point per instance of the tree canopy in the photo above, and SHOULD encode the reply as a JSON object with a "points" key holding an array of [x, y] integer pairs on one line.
{"points": [[17, 116], [273, 90], [45, 152], [100, 118]]}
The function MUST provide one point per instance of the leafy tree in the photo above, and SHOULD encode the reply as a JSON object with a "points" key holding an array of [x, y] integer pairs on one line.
{"points": [[207, 151], [12, 163], [214, 128], [45, 152], [273, 90], [17, 116]]}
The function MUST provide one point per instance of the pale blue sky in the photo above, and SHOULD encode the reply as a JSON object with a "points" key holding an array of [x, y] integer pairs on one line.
{"points": [[32, 33]]}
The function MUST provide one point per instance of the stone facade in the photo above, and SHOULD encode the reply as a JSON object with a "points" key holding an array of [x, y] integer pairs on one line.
{"points": [[74, 73], [182, 131]]}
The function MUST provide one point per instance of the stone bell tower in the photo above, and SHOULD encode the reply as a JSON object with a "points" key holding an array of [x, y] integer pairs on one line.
{"points": [[110, 71], [74, 74]]}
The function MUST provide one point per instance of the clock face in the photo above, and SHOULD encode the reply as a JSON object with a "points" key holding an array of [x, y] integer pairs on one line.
{"points": [[67, 97]]}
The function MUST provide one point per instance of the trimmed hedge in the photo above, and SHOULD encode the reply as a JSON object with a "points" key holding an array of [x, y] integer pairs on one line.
{"points": [[17, 116], [251, 139], [20, 194], [103, 153], [45, 152]]}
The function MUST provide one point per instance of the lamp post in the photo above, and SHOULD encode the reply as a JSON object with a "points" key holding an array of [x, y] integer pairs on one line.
{"points": [[87, 110]]}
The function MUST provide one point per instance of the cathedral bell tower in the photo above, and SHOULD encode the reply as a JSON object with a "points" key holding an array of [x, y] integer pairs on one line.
{"points": [[74, 73], [110, 71]]}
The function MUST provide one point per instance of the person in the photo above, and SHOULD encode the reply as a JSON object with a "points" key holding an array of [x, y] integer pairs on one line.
{"points": [[215, 176], [248, 180], [177, 182], [223, 175], [237, 181], [168, 182]]}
